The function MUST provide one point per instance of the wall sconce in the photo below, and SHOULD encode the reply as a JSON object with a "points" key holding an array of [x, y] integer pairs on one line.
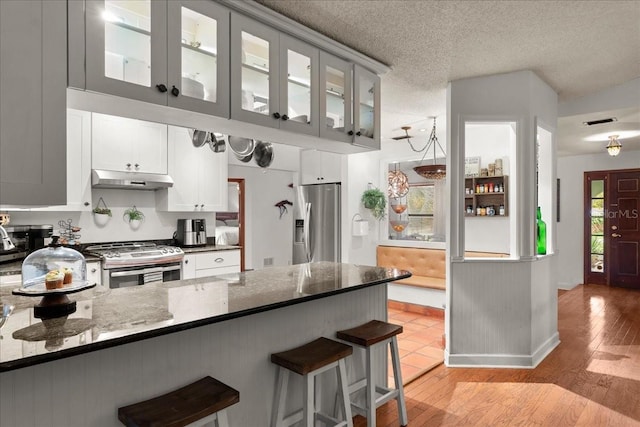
{"points": [[614, 146], [359, 226]]}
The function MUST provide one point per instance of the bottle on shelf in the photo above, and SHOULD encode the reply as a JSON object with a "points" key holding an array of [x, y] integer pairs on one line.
{"points": [[477, 188], [501, 210], [541, 228]]}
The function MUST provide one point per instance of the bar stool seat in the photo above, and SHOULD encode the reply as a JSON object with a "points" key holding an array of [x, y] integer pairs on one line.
{"points": [[367, 336], [196, 404], [310, 360]]}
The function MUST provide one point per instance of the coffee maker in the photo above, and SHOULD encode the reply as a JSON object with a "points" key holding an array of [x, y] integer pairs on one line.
{"points": [[20, 240], [191, 232]]}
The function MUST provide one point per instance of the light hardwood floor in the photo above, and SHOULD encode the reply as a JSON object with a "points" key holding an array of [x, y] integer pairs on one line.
{"points": [[591, 379]]}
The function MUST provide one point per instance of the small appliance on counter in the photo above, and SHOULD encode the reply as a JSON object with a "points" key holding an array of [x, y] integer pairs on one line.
{"points": [[20, 240], [191, 232]]}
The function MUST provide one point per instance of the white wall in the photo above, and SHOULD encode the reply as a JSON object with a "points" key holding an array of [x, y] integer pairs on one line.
{"points": [[156, 226], [266, 234], [570, 228]]}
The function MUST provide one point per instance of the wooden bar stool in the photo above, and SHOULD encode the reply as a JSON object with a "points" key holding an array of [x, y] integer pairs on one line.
{"points": [[310, 360], [196, 404], [366, 336]]}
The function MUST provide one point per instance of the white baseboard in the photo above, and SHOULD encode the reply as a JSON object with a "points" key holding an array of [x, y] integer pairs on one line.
{"points": [[567, 286], [502, 360]]}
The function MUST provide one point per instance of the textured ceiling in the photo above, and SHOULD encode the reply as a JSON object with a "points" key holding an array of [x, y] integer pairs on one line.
{"points": [[577, 47]]}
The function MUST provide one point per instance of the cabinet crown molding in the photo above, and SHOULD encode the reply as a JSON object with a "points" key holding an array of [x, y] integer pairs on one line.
{"points": [[293, 28]]}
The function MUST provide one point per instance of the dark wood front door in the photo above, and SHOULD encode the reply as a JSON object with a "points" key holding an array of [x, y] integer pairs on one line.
{"points": [[623, 228]]}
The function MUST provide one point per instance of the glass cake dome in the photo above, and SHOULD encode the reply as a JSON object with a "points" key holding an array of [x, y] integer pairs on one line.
{"points": [[55, 265]]}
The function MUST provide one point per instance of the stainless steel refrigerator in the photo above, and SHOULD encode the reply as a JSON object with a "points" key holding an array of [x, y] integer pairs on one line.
{"points": [[316, 234]]}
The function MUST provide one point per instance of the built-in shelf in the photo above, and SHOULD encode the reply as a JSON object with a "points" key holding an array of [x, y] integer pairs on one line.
{"points": [[481, 197]]}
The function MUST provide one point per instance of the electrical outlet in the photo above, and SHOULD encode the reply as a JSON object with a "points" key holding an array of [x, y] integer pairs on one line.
{"points": [[268, 261]]}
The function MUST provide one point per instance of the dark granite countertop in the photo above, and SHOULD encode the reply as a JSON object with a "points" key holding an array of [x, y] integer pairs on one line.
{"points": [[209, 248], [110, 317]]}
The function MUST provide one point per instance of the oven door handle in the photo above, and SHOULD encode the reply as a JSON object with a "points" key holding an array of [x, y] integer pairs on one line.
{"points": [[145, 271]]}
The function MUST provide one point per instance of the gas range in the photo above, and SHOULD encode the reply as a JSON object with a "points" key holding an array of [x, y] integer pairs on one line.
{"points": [[134, 254]]}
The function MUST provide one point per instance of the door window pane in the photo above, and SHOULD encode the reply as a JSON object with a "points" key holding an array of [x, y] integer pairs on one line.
{"points": [[597, 226], [367, 87], [199, 55], [127, 39], [255, 74], [298, 87], [335, 98]]}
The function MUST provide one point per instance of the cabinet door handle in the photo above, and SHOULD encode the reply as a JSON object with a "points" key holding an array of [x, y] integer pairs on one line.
{"points": [[219, 260], [358, 133], [128, 165], [195, 206], [616, 235], [86, 203], [93, 270], [276, 115], [137, 166], [350, 132], [186, 261], [202, 206], [162, 88], [285, 117], [175, 91]]}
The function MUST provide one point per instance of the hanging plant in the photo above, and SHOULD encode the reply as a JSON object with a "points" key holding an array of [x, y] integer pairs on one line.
{"points": [[134, 217], [133, 214], [102, 214], [376, 201]]}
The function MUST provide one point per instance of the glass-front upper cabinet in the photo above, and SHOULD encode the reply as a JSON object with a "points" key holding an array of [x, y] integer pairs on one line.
{"points": [[335, 98], [126, 52], [299, 110], [170, 53], [198, 56], [366, 108], [254, 72]]}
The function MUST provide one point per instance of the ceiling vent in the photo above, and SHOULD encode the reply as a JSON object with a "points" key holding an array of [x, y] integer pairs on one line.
{"points": [[600, 122]]}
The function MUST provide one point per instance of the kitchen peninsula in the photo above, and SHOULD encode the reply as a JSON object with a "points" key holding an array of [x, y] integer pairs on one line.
{"points": [[125, 345]]}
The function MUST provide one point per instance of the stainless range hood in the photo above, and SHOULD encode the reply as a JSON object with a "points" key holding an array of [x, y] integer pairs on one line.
{"points": [[129, 180]]}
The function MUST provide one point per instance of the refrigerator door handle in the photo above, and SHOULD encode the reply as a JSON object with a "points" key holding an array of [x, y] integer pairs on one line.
{"points": [[307, 216]]}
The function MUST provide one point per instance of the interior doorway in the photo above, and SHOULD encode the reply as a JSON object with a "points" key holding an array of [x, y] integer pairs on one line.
{"points": [[612, 228], [230, 226]]}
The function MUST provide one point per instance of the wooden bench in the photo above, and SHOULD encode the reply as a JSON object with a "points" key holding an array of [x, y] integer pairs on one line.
{"points": [[427, 266]]}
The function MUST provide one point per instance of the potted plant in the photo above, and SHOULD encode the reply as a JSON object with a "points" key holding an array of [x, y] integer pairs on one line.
{"points": [[376, 201], [101, 215], [134, 217]]}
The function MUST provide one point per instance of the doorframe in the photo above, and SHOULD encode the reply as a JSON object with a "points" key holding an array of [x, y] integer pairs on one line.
{"points": [[588, 275], [241, 219]]}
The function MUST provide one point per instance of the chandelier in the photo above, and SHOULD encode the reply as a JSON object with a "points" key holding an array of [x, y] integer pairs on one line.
{"points": [[398, 183], [614, 146], [434, 171]]}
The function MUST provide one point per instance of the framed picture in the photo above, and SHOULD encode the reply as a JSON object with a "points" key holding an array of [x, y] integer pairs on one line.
{"points": [[471, 167]]}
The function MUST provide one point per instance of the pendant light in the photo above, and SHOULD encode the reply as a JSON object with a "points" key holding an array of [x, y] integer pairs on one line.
{"points": [[435, 171], [614, 146]]}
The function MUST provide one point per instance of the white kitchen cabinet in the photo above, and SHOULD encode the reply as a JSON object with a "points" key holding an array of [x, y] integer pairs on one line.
{"points": [[210, 263], [366, 108], [171, 53], [12, 280], [129, 145], [336, 76], [274, 78], [33, 76], [217, 262], [188, 303], [78, 163], [199, 175], [94, 273], [189, 266], [320, 167]]}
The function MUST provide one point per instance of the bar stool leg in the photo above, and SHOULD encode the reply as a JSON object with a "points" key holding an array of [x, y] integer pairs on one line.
{"points": [[222, 420], [371, 390], [397, 377], [309, 400], [277, 416], [343, 391]]}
